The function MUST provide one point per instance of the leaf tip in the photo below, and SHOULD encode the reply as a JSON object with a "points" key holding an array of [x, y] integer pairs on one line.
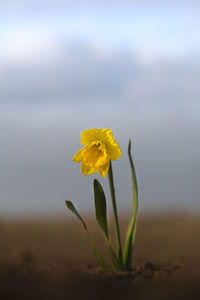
{"points": [[95, 181], [68, 203], [129, 146]]}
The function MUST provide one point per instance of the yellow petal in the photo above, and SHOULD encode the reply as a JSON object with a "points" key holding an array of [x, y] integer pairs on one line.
{"points": [[103, 169], [90, 135], [100, 148], [112, 146], [79, 155], [87, 170], [114, 150]]}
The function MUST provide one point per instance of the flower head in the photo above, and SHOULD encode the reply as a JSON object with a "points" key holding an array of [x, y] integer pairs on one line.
{"points": [[100, 147]]}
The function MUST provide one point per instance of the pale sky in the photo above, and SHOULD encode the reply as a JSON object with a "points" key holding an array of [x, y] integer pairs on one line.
{"points": [[66, 66]]}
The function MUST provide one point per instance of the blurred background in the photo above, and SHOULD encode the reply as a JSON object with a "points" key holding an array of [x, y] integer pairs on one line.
{"points": [[66, 66]]}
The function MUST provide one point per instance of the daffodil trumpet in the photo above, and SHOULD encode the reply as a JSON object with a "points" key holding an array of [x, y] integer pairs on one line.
{"points": [[99, 149]]}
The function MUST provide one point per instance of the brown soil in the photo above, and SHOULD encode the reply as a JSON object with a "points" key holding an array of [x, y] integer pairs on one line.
{"points": [[53, 260]]}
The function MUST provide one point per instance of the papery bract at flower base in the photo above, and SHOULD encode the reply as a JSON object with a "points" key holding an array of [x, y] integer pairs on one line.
{"points": [[100, 148]]}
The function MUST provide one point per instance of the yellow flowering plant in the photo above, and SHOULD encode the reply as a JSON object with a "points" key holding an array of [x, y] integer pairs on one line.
{"points": [[100, 148]]}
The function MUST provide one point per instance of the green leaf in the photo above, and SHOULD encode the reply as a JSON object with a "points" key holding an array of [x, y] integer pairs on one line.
{"points": [[116, 264], [101, 216], [100, 206], [100, 258], [71, 207], [130, 235]]}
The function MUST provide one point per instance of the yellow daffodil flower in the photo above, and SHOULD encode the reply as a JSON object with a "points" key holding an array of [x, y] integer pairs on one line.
{"points": [[100, 148]]}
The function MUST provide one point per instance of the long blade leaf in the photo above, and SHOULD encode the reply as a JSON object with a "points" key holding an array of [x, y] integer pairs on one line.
{"points": [[100, 206], [130, 235], [101, 216], [71, 207], [100, 258]]}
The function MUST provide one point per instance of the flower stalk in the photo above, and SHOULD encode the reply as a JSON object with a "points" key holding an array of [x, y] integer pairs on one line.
{"points": [[114, 206]]}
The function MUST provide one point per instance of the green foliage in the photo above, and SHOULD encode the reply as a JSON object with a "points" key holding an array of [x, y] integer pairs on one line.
{"points": [[100, 258], [100, 206], [130, 235], [118, 262], [71, 207], [101, 216]]}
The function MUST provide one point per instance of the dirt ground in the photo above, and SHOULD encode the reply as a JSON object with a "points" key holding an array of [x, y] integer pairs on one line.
{"points": [[52, 259]]}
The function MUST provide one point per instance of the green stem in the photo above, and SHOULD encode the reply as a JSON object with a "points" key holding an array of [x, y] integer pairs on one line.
{"points": [[114, 205]]}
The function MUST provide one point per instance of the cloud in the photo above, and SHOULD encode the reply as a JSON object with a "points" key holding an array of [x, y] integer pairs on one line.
{"points": [[39, 67], [44, 67], [27, 46], [165, 82]]}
